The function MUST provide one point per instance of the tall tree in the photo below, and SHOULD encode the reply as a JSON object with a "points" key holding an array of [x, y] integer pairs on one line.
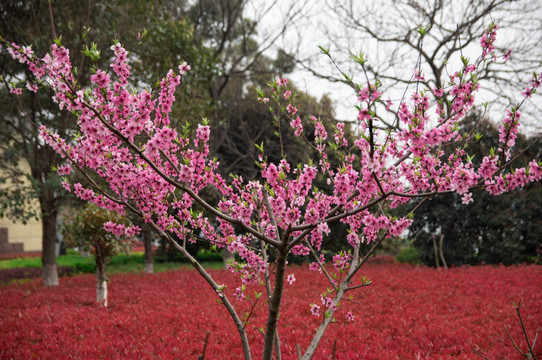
{"points": [[32, 23]]}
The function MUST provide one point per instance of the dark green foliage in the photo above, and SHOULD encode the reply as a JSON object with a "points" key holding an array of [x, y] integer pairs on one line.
{"points": [[203, 255], [84, 268], [408, 255]]}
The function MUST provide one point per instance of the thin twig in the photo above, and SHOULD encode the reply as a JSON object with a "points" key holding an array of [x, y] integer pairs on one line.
{"points": [[202, 356], [313, 252], [358, 286], [51, 17], [525, 331], [514, 342]]}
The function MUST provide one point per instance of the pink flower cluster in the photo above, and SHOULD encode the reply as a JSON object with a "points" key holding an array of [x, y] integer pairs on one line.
{"points": [[121, 229], [488, 39]]}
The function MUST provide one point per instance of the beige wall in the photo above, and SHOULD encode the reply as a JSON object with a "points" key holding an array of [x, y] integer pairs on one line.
{"points": [[29, 234]]}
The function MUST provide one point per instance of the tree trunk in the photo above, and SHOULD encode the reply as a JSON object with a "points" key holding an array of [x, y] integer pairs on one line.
{"points": [[441, 252], [49, 239], [101, 287], [274, 307], [147, 241], [435, 248]]}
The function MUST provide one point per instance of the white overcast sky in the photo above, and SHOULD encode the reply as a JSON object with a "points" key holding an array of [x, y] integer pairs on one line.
{"points": [[310, 31]]}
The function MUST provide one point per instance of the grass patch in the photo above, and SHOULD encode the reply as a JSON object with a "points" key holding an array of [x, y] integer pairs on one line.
{"points": [[118, 264], [72, 258], [409, 255], [159, 267]]}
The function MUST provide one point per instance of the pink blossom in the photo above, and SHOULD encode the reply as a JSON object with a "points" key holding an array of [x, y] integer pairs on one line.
{"points": [[239, 294], [297, 125], [418, 75], [64, 170], [66, 185], [291, 109], [290, 279], [467, 198], [116, 229], [132, 230], [388, 104], [340, 260], [507, 54], [527, 93], [100, 78], [183, 68], [438, 92], [32, 87], [287, 94], [282, 81]]}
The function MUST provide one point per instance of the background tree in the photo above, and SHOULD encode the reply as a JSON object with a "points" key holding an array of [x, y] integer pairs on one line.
{"points": [[93, 230], [27, 22]]}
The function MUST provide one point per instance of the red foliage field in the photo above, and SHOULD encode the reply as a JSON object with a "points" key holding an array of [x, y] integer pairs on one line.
{"points": [[407, 313]]}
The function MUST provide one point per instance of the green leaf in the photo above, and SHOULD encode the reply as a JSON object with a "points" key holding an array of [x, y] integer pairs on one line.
{"points": [[323, 50], [58, 41], [360, 59], [93, 53], [423, 30], [474, 78]]}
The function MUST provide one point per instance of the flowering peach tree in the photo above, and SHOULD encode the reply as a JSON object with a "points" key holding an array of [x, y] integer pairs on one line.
{"points": [[158, 171]]}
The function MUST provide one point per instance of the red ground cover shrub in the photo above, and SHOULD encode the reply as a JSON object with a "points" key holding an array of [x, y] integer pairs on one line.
{"points": [[407, 313]]}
